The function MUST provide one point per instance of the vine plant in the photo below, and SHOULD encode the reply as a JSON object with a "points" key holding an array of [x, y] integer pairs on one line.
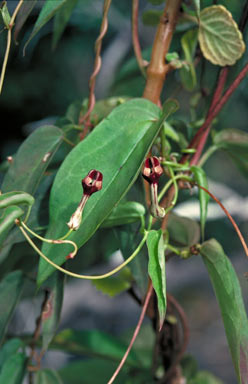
{"points": [[109, 150]]}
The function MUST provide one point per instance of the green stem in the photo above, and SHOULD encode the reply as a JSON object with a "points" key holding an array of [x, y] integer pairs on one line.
{"points": [[170, 182], [86, 277]]}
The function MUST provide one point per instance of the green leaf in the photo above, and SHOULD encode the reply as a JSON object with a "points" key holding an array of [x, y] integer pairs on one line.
{"points": [[124, 213], [228, 293], [151, 17], [128, 133], [7, 220], [26, 171], [201, 179], [235, 143], [220, 40], [22, 16], [203, 377], [61, 19], [5, 14], [183, 230], [48, 10], [47, 376], [114, 285], [13, 371], [156, 269], [89, 369], [10, 292], [187, 73], [93, 343], [127, 239], [10, 348], [197, 7], [51, 317]]}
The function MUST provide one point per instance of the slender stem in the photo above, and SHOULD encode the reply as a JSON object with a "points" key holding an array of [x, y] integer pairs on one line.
{"points": [[86, 277], [6, 56], [136, 332], [135, 36], [172, 181], [158, 68], [242, 240], [202, 134], [206, 155], [97, 67], [53, 241]]}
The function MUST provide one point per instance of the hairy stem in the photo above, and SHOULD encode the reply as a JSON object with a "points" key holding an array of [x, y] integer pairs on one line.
{"points": [[136, 332]]}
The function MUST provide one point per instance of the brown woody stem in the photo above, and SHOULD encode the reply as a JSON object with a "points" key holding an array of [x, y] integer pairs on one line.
{"points": [[157, 69]]}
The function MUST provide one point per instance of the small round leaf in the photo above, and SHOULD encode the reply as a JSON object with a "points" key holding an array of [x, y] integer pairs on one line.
{"points": [[220, 40]]}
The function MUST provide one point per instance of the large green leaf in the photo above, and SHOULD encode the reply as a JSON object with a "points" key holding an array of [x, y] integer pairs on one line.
{"points": [[51, 317], [48, 10], [201, 179], [32, 159], [10, 348], [228, 293], [93, 343], [220, 40], [47, 376], [117, 148], [156, 269], [13, 370], [10, 292], [235, 143], [61, 19]]}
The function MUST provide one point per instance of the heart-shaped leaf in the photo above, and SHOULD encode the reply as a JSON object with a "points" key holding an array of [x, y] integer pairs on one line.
{"points": [[220, 40], [156, 270], [117, 148], [228, 293]]}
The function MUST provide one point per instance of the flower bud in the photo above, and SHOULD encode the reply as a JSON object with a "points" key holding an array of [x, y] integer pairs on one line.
{"points": [[91, 184], [152, 170]]}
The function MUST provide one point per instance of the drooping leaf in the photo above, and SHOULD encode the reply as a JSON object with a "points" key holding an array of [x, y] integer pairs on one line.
{"points": [[61, 19], [151, 17], [10, 348], [228, 293], [156, 269], [128, 133], [220, 40], [235, 143], [124, 213], [10, 291], [22, 16], [204, 377], [93, 343], [26, 171], [51, 315], [13, 371], [183, 230], [114, 285], [47, 376], [48, 10], [201, 179], [188, 73]]}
